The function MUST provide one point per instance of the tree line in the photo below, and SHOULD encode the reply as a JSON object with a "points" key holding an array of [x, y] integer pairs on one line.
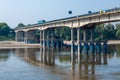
{"points": [[101, 32], [6, 33]]}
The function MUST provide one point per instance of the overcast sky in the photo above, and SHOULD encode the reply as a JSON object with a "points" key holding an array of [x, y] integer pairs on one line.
{"points": [[14, 12]]}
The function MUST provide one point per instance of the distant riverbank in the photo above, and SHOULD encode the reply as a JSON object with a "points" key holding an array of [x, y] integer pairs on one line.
{"points": [[110, 42], [14, 44]]}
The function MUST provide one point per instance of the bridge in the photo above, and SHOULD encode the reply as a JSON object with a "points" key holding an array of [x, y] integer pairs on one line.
{"points": [[80, 22]]}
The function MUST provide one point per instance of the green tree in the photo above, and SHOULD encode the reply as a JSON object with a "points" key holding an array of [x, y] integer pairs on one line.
{"points": [[63, 32], [103, 32], [4, 29], [21, 25], [117, 31], [99, 32], [6, 33], [109, 31]]}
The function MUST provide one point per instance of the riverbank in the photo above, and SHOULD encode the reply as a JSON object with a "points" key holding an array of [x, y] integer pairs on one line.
{"points": [[14, 44], [110, 42]]}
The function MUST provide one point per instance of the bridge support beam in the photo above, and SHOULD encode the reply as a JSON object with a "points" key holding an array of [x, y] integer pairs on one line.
{"points": [[85, 34], [41, 47], [52, 41], [26, 37], [48, 47], [92, 52], [79, 46], [72, 48], [41, 38], [44, 48], [52, 44], [16, 36]]}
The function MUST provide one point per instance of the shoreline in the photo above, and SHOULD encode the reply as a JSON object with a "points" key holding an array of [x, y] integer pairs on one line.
{"points": [[14, 44], [113, 42]]}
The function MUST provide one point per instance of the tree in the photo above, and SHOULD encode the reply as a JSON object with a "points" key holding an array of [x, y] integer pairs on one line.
{"points": [[99, 32], [6, 33], [63, 32], [109, 31], [4, 29], [117, 31], [21, 25]]}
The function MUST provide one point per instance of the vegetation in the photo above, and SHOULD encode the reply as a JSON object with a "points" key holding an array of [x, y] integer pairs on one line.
{"points": [[6, 33], [102, 32]]}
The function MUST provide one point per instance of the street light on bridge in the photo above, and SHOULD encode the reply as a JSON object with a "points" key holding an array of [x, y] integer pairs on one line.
{"points": [[69, 12]]}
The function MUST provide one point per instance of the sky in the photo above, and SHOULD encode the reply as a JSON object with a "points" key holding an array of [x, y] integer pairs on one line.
{"points": [[14, 12]]}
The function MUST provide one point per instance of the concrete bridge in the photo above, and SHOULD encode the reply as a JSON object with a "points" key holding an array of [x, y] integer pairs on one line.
{"points": [[80, 22]]}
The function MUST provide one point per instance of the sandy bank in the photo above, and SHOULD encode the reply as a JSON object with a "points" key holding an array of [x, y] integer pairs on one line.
{"points": [[14, 44], [110, 42], [114, 42]]}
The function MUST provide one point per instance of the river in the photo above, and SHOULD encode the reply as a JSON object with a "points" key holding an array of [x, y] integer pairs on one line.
{"points": [[24, 64]]}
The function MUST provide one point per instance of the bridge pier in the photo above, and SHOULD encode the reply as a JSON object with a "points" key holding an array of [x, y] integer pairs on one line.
{"points": [[79, 46], [41, 47], [92, 52], [16, 36], [26, 37], [72, 48], [85, 35], [44, 47], [48, 47], [53, 47]]}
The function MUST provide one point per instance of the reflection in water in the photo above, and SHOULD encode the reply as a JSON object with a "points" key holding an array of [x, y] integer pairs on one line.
{"points": [[18, 66], [4, 55], [91, 66], [35, 56], [85, 71]]}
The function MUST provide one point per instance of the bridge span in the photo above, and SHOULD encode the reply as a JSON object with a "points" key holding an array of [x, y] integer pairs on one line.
{"points": [[80, 22]]}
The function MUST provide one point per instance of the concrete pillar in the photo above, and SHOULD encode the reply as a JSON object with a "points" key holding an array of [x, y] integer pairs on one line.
{"points": [[26, 36], [86, 48], [22, 36], [72, 47], [44, 48], [85, 34], [52, 42], [41, 47], [79, 47], [48, 47], [40, 37], [16, 36], [92, 52]]}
